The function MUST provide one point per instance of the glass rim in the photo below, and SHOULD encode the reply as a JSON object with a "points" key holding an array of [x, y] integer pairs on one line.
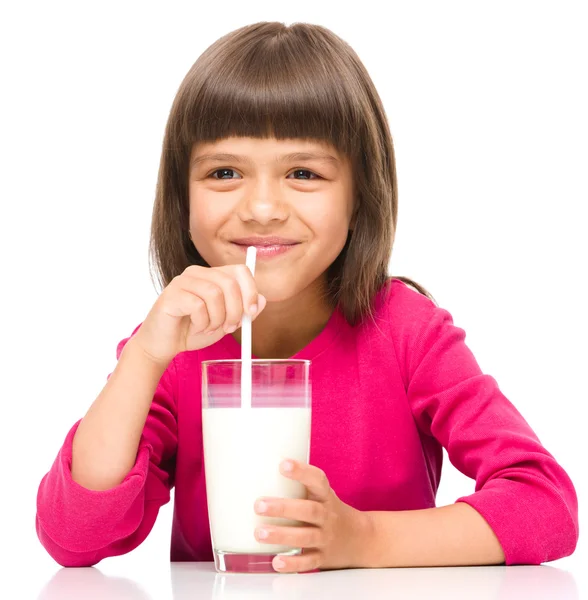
{"points": [[295, 361]]}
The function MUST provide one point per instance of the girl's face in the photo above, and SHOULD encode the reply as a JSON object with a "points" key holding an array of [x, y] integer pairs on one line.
{"points": [[297, 191]]}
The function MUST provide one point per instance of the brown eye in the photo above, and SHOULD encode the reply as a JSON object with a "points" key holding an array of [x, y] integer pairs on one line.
{"points": [[223, 172], [306, 173]]}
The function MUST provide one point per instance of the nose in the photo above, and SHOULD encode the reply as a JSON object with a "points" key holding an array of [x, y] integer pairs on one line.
{"points": [[263, 203]]}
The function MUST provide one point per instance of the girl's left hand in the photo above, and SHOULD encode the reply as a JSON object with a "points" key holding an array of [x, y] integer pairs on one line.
{"points": [[333, 534]]}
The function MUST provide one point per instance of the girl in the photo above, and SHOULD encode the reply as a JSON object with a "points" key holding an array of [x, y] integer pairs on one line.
{"points": [[278, 139]]}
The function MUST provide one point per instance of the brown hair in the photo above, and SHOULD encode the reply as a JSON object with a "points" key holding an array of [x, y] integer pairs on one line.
{"points": [[299, 81]]}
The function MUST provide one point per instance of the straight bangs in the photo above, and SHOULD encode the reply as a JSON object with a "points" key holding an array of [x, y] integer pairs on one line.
{"points": [[274, 88]]}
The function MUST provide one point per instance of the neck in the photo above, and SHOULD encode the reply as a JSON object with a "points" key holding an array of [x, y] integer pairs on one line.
{"points": [[284, 328]]}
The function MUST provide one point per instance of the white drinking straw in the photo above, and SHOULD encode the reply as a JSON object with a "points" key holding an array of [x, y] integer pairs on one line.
{"points": [[246, 340]]}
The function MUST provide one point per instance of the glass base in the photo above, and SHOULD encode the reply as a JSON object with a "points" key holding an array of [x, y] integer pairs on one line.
{"points": [[235, 562]]}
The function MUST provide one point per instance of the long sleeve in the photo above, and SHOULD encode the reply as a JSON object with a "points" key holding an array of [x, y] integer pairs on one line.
{"points": [[79, 527], [523, 493]]}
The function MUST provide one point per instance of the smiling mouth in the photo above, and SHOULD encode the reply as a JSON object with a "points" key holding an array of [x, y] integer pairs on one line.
{"points": [[268, 250]]}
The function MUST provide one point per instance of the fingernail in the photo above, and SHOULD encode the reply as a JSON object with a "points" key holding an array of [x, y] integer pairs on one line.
{"points": [[287, 466], [262, 534], [260, 506], [231, 329], [253, 309], [279, 563]]}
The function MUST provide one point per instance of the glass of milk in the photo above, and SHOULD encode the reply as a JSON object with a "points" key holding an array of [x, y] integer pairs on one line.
{"points": [[243, 449]]}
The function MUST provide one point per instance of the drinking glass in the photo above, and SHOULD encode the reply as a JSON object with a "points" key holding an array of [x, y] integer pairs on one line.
{"points": [[243, 449]]}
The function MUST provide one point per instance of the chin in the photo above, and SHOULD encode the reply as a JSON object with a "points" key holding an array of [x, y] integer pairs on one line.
{"points": [[274, 295], [277, 291]]}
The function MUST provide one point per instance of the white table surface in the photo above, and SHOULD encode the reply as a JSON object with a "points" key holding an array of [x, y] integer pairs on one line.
{"points": [[194, 581]]}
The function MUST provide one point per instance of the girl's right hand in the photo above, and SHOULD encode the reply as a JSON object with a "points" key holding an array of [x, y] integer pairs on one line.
{"points": [[197, 309]]}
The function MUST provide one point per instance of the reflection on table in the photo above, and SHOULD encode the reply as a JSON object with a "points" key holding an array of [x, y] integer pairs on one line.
{"points": [[195, 581]]}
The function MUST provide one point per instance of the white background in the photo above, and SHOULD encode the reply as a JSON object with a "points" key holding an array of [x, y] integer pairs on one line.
{"points": [[487, 107]]}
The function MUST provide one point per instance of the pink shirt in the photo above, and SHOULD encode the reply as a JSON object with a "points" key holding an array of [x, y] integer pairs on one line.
{"points": [[386, 398]]}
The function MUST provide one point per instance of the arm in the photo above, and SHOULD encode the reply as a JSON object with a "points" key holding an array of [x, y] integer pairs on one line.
{"points": [[106, 441], [454, 535], [334, 535], [113, 506], [523, 494], [524, 509]]}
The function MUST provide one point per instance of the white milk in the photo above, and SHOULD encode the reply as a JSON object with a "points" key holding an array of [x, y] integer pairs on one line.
{"points": [[242, 453]]}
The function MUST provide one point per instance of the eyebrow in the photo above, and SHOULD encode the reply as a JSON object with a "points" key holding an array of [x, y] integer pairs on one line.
{"points": [[292, 156]]}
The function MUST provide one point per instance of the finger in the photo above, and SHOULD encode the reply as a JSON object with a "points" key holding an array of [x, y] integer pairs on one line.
{"points": [[212, 295], [249, 293], [231, 290], [180, 303], [186, 304], [297, 537], [262, 304], [307, 511], [313, 478], [309, 560]]}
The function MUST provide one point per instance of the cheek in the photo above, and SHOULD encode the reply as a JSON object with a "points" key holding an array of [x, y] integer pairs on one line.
{"points": [[204, 217], [331, 228], [330, 214]]}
